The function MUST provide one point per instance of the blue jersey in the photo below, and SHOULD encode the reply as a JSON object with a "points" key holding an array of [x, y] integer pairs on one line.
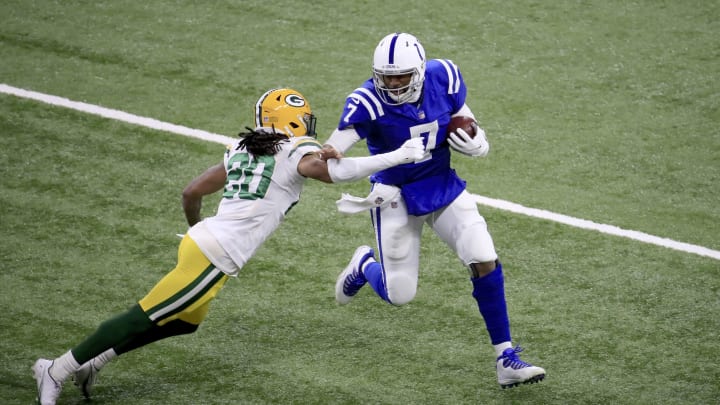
{"points": [[431, 183]]}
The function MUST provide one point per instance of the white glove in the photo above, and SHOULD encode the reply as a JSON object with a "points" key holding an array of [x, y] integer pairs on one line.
{"points": [[356, 168], [463, 143], [410, 151]]}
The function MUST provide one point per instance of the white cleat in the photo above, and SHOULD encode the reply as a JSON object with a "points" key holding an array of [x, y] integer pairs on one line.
{"points": [[48, 388], [512, 371], [85, 377], [351, 279]]}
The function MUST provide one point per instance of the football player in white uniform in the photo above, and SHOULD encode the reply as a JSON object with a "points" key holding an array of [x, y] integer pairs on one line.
{"points": [[261, 178], [409, 97]]}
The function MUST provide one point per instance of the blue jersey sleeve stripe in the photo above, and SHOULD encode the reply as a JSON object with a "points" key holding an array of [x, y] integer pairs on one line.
{"points": [[375, 100], [365, 104], [452, 72], [456, 75], [449, 74], [361, 95]]}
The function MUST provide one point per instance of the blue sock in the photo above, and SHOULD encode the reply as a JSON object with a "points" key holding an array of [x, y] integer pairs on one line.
{"points": [[489, 292], [374, 275]]}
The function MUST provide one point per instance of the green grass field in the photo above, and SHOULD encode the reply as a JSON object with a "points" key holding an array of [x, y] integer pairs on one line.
{"points": [[606, 111]]}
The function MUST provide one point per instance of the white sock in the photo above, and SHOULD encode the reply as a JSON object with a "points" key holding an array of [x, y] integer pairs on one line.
{"points": [[63, 367], [500, 348], [103, 358]]}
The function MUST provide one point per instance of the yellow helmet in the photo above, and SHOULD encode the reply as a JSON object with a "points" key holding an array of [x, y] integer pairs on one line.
{"points": [[287, 111]]}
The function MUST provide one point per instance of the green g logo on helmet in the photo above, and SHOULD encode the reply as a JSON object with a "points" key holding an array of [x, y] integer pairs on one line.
{"points": [[295, 100]]}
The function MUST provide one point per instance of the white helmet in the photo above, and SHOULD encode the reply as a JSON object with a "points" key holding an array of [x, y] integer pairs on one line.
{"points": [[399, 54]]}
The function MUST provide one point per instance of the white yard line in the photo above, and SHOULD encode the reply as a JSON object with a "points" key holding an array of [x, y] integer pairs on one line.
{"points": [[116, 115], [603, 228], [492, 202]]}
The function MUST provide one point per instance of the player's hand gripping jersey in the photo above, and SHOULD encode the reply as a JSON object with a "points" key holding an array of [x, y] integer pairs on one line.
{"points": [[430, 183]]}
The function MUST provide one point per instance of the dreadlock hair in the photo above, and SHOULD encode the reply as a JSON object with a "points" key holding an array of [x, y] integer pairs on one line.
{"points": [[262, 141]]}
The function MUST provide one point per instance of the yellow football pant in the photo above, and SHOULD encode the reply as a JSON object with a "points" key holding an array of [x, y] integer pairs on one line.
{"points": [[185, 293]]}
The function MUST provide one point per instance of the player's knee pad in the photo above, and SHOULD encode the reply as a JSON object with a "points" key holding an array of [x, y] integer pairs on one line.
{"points": [[475, 245], [401, 289], [397, 246]]}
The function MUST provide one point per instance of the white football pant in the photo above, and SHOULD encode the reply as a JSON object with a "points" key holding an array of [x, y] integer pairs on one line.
{"points": [[397, 234]]}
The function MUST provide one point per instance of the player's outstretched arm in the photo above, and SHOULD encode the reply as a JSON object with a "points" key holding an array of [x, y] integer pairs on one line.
{"points": [[314, 165], [355, 168]]}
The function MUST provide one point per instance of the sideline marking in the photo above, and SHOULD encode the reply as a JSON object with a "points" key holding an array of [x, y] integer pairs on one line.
{"points": [[492, 202]]}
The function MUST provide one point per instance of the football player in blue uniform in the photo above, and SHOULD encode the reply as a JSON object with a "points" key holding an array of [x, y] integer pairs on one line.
{"points": [[411, 97]]}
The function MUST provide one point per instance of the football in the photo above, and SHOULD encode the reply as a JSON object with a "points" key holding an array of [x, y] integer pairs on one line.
{"points": [[466, 123]]}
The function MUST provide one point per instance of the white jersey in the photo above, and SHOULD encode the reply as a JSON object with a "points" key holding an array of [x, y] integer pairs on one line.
{"points": [[258, 193]]}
